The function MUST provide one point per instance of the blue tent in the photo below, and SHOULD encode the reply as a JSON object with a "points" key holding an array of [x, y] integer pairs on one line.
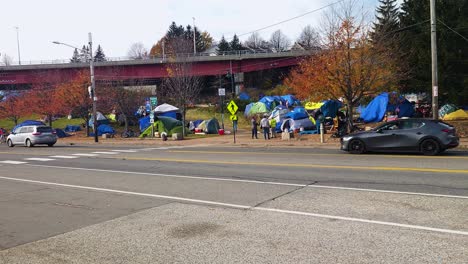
{"points": [[144, 123], [297, 113], [244, 96], [168, 114], [104, 129], [268, 101], [375, 110], [60, 133], [29, 123], [406, 109], [290, 99], [72, 128], [247, 109], [330, 108]]}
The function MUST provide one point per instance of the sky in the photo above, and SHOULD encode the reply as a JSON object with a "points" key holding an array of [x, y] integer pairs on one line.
{"points": [[117, 24]]}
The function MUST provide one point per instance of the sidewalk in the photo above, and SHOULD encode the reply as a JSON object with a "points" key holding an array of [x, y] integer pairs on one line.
{"points": [[243, 138]]}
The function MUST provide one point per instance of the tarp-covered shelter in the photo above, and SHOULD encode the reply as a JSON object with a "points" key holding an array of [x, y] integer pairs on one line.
{"points": [[456, 115], [29, 123], [166, 110], [376, 109], [210, 126], [72, 128], [312, 105], [101, 119], [447, 109], [60, 133], [291, 100], [330, 108], [165, 124], [244, 96], [292, 124], [297, 113], [104, 129], [279, 113]]}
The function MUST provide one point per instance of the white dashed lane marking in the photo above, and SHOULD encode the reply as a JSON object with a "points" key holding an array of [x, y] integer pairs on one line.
{"points": [[39, 159], [12, 162], [105, 152], [85, 154], [125, 151], [64, 157]]}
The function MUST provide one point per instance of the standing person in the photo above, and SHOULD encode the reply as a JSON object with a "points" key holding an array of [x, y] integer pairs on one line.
{"points": [[273, 127], [254, 125], [265, 125]]}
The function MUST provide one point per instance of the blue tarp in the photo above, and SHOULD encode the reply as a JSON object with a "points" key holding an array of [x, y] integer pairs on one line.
{"points": [[330, 108], [72, 128], [375, 110], [144, 123], [104, 129], [406, 109], [297, 113], [29, 123], [268, 101], [60, 133], [244, 96], [290, 99], [172, 114]]}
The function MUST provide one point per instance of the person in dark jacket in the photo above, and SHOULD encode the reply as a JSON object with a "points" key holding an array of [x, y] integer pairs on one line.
{"points": [[254, 124]]}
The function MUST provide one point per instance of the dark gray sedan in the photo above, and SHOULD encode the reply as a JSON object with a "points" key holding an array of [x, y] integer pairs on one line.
{"points": [[426, 136]]}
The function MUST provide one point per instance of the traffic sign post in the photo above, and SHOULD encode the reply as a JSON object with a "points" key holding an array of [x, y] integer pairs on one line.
{"points": [[152, 122], [232, 108], [222, 93]]}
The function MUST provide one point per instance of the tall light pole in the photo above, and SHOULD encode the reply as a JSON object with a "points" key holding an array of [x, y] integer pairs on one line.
{"points": [[17, 43], [93, 83], [194, 40], [435, 88]]}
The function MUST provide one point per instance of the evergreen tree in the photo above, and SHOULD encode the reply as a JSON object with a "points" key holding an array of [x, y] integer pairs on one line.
{"points": [[235, 44], [84, 54], [99, 56], [76, 57], [451, 48], [223, 46], [387, 22], [175, 31]]}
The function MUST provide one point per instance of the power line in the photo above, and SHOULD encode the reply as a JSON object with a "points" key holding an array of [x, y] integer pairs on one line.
{"points": [[292, 18], [453, 30]]}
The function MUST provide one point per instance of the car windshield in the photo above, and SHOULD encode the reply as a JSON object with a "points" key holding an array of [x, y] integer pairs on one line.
{"points": [[44, 129]]}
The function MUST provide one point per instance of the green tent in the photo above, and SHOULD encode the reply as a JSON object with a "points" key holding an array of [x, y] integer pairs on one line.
{"points": [[258, 108], [164, 124], [210, 126]]}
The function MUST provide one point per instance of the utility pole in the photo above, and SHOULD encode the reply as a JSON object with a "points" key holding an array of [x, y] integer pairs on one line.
{"points": [[194, 40], [435, 88], [93, 87]]}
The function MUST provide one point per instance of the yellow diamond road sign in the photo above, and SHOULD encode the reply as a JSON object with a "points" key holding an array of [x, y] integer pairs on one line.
{"points": [[232, 107], [233, 118]]}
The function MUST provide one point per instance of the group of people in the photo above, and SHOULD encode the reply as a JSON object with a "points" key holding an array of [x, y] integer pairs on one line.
{"points": [[268, 126]]}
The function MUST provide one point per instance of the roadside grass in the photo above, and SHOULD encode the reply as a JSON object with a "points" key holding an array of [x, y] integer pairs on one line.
{"points": [[205, 113]]}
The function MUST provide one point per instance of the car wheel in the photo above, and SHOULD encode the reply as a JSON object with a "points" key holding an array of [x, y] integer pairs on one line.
{"points": [[50, 145], [429, 147], [10, 143], [356, 146], [28, 143]]}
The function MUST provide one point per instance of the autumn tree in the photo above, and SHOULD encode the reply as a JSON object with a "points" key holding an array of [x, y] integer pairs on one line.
{"points": [[74, 98], [182, 85], [12, 107], [349, 66]]}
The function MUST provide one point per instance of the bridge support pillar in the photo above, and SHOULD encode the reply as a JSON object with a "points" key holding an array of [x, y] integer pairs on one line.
{"points": [[239, 82]]}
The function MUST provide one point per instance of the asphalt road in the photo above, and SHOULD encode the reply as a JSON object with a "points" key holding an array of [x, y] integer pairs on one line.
{"points": [[225, 204]]}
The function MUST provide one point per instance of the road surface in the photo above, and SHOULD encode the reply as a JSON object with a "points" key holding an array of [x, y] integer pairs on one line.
{"points": [[227, 204]]}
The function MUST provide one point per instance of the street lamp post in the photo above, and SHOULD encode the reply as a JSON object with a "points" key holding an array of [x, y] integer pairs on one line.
{"points": [[18, 44], [194, 40], [93, 83]]}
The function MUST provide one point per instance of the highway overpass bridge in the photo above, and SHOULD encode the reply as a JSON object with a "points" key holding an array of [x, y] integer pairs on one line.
{"points": [[146, 70]]}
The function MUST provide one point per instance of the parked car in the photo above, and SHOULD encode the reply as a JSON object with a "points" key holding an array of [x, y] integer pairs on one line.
{"points": [[32, 135], [426, 136]]}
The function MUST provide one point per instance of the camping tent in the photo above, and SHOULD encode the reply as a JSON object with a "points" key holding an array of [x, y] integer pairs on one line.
{"points": [[244, 96], [306, 123], [257, 108], [60, 133], [165, 124], [376, 109], [278, 113], [297, 113], [290, 100], [29, 123], [210, 126], [456, 115], [447, 109], [166, 110], [312, 105], [330, 108], [101, 119]]}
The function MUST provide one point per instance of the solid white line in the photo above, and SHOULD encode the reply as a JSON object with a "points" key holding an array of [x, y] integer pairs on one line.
{"points": [[105, 152], [352, 219], [85, 154], [39, 159], [12, 162], [386, 191], [252, 181], [238, 206], [64, 157], [171, 175]]}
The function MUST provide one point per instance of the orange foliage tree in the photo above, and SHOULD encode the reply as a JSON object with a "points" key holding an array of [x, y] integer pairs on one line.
{"points": [[12, 107], [349, 66], [74, 99]]}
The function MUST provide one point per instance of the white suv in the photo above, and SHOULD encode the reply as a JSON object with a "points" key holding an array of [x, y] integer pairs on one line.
{"points": [[32, 135]]}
